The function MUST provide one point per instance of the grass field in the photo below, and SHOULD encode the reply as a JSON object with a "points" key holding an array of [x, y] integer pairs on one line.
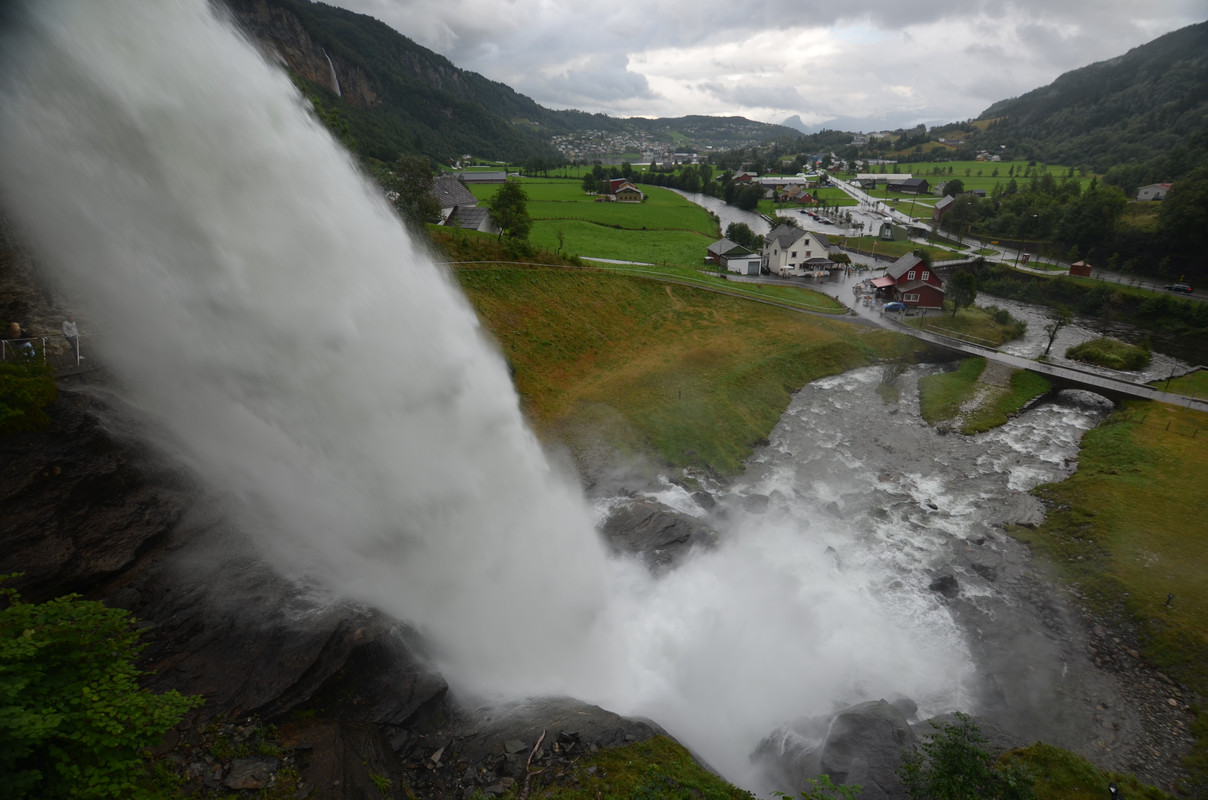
{"points": [[666, 229], [983, 174], [977, 406]]}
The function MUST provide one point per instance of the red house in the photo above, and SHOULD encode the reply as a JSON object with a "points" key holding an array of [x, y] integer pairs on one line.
{"points": [[910, 281]]}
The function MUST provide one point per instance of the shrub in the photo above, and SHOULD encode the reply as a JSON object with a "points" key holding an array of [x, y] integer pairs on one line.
{"points": [[1110, 353], [73, 720], [953, 764], [25, 389]]}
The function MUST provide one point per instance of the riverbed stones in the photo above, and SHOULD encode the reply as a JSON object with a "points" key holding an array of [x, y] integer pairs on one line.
{"points": [[946, 585]]}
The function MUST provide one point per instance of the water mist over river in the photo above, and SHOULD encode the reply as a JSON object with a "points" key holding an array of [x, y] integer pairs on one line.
{"points": [[284, 338]]}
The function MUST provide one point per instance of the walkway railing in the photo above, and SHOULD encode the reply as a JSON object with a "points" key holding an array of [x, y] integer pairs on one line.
{"points": [[54, 351]]}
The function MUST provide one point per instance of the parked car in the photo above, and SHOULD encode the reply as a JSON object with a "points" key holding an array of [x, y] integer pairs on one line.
{"points": [[1185, 288], [894, 306]]}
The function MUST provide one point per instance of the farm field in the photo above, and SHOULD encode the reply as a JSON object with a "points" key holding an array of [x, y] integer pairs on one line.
{"points": [[666, 229], [978, 174]]}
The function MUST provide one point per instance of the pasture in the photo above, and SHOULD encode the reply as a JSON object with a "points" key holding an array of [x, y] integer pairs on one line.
{"points": [[666, 229]]}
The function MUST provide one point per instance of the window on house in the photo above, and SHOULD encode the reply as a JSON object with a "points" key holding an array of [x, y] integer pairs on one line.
{"points": [[910, 298], [926, 274], [793, 254], [910, 275]]}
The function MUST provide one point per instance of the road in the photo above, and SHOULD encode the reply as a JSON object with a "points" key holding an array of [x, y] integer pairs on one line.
{"points": [[875, 210], [1114, 385]]}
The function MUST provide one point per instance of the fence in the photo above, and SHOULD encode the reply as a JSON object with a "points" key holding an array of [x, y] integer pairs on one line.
{"points": [[54, 351]]}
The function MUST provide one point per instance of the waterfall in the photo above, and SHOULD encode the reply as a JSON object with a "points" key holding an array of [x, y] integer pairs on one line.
{"points": [[335, 82], [281, 334], [262, 304]]}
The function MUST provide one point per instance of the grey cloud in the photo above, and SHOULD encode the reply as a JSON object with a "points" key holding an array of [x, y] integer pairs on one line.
{"points": [[758, 94], [570, 53]]}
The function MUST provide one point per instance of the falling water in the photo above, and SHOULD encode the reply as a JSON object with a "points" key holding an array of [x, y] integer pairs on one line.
{"points": [[335, 82], [281, 334], [264, 307]]}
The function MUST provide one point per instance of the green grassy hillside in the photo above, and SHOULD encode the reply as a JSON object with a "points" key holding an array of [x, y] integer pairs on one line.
{"points": [[690, 377]]}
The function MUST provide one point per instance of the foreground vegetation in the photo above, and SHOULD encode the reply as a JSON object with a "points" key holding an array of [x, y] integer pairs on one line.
{"points": [[73, 720]]}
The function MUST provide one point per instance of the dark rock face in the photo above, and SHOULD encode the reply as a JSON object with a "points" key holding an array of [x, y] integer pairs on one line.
{"points": [[74, 510], [945, 585], [659, 536], [284, 36], [862, 744], [495, 748], [84, 509]]}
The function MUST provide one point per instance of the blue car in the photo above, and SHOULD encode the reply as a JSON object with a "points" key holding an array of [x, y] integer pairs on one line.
{"points": [[894, 306]]}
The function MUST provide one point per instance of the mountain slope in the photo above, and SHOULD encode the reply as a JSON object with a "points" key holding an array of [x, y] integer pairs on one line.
{"points": [[397, 96], [1131, 108]]}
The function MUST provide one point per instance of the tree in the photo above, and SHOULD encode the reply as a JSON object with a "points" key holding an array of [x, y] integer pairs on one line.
{"points": [[1182, 215], [509, 211], [741, 233], [961, 290], [1061, 316], [953, 764], [73, 720], [954, 187], [409, 185]]}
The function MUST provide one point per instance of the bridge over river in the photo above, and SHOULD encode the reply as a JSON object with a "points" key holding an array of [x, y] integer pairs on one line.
{"points": [[1062, 377], [1115, 386]]}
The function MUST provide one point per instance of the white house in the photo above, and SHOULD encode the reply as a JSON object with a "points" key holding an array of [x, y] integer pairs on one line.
{"points": [[791, 251], [1154, 191]]}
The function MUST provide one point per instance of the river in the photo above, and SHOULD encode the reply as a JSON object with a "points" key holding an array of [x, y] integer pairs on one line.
{"points": [[833, 538]]}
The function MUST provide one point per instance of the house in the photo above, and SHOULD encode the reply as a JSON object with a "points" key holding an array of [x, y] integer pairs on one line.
{"points": [[472, 218], [628, 193], [795, 194], [941, 208], [912, 186], [450, 194], [789, 251], [733, 257], [1154, 191], [910, 281], [493, 176], [743, 176], [1080, 268]]}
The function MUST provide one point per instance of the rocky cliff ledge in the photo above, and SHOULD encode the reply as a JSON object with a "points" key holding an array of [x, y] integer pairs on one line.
{"points": [[283, 38], [85, 508]]}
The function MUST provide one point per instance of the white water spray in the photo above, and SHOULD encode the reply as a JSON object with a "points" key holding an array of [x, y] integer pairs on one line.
{"points": [[265, 310]]}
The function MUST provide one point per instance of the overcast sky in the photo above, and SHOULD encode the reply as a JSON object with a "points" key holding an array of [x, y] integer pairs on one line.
{"points": [[886, 62]]}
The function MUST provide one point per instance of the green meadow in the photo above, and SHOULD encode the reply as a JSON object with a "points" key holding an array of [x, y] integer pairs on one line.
{"points": [[978, 174], [666, 229]]}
